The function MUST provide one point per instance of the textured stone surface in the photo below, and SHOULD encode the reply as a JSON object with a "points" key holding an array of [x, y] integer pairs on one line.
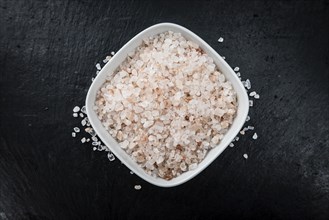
{"points": [[48, 52]]}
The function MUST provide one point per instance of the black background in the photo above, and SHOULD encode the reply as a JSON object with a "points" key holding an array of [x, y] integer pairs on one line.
{"points": [[48, 52]]}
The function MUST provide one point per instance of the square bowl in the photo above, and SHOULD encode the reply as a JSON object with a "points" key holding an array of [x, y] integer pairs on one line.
{"points": [[113, 64]]}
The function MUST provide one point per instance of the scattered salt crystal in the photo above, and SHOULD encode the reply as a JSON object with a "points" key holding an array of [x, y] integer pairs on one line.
{"points": [[256, 96], [95, 143], [81, 115], [248, 84], [251, 127], [76, 109], [98, 66], [131, 172], [88, 139], [94, 138], [255, 136], [83, 122], [97, 72], [220, 39], [251, 103], [83, 109], [238, 74], [236, 69], [73, 134], [242, 132], [94, 148], [237, 138], [110, 156], [252, 93], [83, 140], [231, 145], [223, 57], [137, 187], [245, 156], [92, 78], [76, 129], [112, 53], [75, 114], [248, 118]]}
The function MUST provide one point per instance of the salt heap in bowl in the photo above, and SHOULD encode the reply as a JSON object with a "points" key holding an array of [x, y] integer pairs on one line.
{"points": [[167, 105]]}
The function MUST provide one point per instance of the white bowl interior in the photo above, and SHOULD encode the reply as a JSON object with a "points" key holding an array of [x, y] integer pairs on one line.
{"points": [[119, 57]]}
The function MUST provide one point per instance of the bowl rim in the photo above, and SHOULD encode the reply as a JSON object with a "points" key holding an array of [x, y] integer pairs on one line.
{"points": [[104, 135]]}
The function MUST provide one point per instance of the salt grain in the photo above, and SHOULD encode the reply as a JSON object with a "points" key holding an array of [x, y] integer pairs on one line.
{"points": [[251, 127], [75, 114], [255, 136], [83, 109], [95, 143], [256, 96], [76, 109], [73, 134], [220, 39], [248, 118], [252, 94], [236, 69], [83, 140], [81, 115], [245, 156], [231, 145], [137, 187], [76, 129], [251, 103], [110, 156], [98, 66]]}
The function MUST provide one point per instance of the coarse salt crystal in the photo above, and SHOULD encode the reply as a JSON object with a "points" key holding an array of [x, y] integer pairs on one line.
{"points": [[231, 145], [76, 109], [98, 66], [245, 156], [83, 140], [236, 69], [112, 53], [95, 143], [81, 115], [255, 136], [83, 109], [73, 134], [256, 96], [110, 156], [252, 93], [251, 103], [76, 129], [220, 39], [75, 114], [248, 118], [137, 187]]}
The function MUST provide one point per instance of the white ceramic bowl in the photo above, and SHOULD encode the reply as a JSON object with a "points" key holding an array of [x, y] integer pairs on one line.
{"points": [[119, 57]]}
